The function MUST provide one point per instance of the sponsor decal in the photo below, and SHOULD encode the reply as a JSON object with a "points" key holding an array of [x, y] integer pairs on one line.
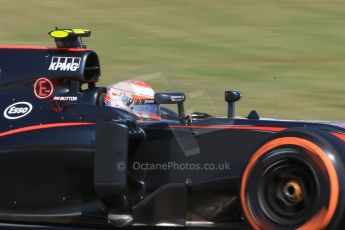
{"points": [[43, 88], [17, 110], [146, 101], [177, 98], [64, 64], [66, 98]]}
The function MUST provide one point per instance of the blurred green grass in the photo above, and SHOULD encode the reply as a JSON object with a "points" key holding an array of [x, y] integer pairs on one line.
{"points": [[286, 56]]}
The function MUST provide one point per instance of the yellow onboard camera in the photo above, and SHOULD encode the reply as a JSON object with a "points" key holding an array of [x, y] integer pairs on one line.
{"points": [[69, 38]]}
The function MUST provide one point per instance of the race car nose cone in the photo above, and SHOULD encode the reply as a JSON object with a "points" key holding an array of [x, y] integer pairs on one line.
{"points": [[293, 191]]}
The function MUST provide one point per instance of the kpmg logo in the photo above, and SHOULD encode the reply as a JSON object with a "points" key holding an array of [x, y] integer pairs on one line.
{"points": [[64, 63], [17, 110]]}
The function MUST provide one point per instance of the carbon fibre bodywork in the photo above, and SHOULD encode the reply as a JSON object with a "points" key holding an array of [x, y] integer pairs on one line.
{"points": [[73, 161]]}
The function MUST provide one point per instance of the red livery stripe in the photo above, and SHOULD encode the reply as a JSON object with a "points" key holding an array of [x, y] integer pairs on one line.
{"points": [[341, 136], [236, 127], [45, 126], [41, 48]]}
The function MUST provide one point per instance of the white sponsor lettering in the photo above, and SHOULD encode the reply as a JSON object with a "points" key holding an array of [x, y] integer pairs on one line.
{"points": [[177, 98], [17, 110], [64, 63], [58, 98], [149, 101]]}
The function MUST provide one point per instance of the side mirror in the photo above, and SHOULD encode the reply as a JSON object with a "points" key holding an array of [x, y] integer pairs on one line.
{"points": [[231, 97], [169, 98], [172, 98]]}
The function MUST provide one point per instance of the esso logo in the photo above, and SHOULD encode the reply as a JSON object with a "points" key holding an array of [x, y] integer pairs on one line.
{"points": [[17, 110]]}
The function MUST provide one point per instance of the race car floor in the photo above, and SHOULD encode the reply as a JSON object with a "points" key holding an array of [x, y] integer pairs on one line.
{"points": [[11, 226]]}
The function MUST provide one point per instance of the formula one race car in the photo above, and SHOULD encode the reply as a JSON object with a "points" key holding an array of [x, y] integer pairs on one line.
{"points": [[66, 159]]}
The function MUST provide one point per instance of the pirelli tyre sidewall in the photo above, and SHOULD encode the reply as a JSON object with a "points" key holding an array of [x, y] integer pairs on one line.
{"points": [[295, 180]]}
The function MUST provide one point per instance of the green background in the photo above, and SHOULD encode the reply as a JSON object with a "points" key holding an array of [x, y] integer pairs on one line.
{"points": [[287, 57]]}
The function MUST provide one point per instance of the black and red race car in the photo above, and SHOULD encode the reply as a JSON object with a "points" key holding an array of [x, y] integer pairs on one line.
{"points": [[66, 159]]}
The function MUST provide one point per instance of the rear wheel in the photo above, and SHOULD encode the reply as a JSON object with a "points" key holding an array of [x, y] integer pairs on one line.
{"points": [[292, 183]]}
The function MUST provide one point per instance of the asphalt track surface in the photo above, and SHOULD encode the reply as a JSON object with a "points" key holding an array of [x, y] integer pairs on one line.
{"points": [[11, 226]]}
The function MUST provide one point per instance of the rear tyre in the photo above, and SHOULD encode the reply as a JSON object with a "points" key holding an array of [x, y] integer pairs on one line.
{"points": [[292, 182]]}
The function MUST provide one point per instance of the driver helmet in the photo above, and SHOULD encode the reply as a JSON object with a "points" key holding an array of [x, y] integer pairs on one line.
{"points": [[136, 97]]}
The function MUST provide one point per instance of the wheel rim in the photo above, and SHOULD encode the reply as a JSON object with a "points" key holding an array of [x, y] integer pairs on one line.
{"points": [[288, 191], [330, 186]]}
